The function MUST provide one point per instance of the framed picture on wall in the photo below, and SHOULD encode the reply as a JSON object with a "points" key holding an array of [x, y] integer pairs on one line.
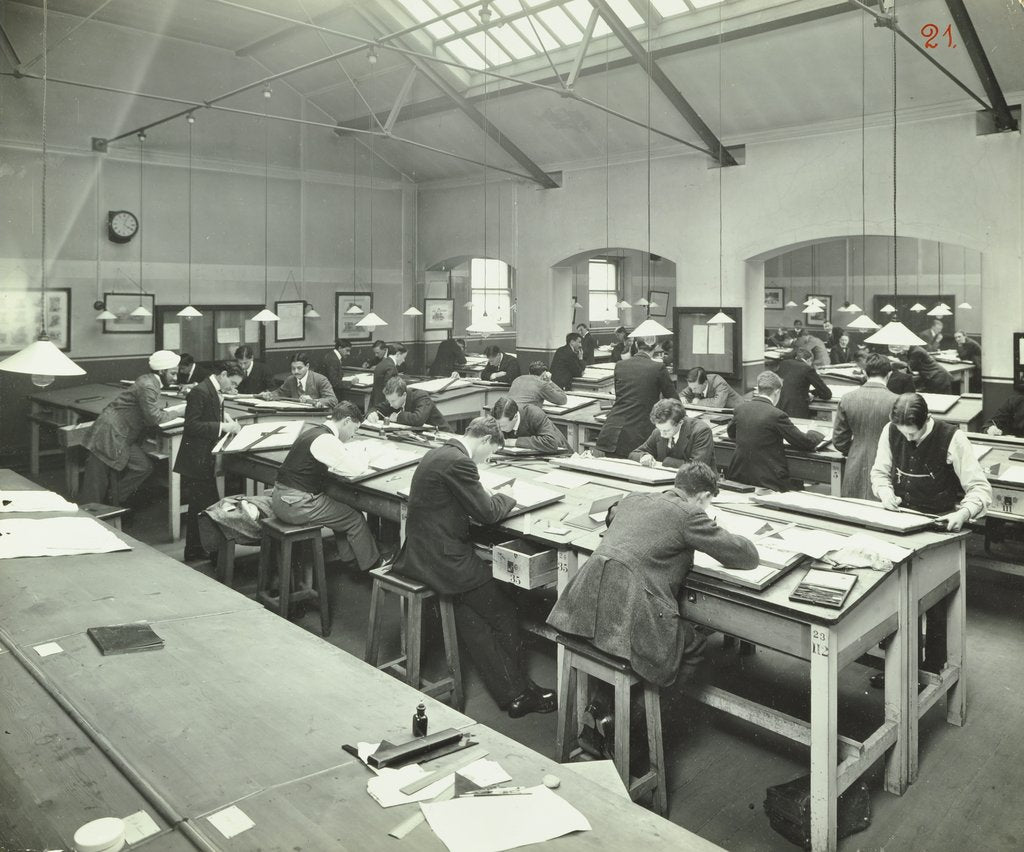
{"points": [[659, 303], [291, 324], [820, 318], [122, 305], [345, 322], [438, 314], [774, 298], [24, 315]]}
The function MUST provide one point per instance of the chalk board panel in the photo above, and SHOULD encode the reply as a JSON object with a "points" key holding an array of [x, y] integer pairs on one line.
{"points": [[716, 349]]}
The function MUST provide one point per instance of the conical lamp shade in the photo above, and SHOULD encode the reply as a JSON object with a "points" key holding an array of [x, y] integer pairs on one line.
{"points": [[721, 318], [106, 315], [965, 306], [650, 328], [917, 306], [895, 334], [189, 312], [853, 308], [485, 325], [940, 310], [42, 359], [653, 305], [354, 309], [642, 302], [813, 309], [266, 315], [140, 311], [412, 311], [311, 312], [468, 305], [371, 320], [623, 305], [792, 304], [888, 309], [863, 322], [812, 300], [843, 309]]}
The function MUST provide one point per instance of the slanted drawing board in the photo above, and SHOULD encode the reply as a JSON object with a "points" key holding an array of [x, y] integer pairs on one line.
{"points": [[847, 511]]}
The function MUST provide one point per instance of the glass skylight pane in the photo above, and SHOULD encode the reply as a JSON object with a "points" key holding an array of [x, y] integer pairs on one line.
{"points": [[507, 7], [461, 22], [495, 55], [669, 8], [627, 14], [561, 25], [509, 39], [439, 29], [444, 6], [465, 54], [545, 37], [579, 11], [601, 29], [419, 10], [701, 4], [525, 32]]}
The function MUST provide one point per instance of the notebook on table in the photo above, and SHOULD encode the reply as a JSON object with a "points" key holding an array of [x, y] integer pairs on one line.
{"points": [[125, 638]]}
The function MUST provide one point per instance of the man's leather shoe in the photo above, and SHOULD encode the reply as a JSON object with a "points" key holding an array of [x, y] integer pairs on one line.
{"points": [[534, 700]]}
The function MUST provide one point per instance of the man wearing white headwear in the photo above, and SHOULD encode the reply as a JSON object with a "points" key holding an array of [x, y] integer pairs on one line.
{"points": [[117, 465]]}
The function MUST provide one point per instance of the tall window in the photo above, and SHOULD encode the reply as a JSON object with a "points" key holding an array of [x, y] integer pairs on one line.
{"points": [[604, 290], [490, 282]]}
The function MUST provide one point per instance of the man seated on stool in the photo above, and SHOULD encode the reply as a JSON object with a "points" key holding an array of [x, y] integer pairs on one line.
{"points": [[304, 385], [299, 497], [500, 367], [625, 598], [407, 407], [445, 496], [758, 428], [676, 438], [709, 389], [528, 427], [536, 388]]}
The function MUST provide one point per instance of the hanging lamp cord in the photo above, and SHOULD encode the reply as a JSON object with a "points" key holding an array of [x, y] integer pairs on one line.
{"points": [[266, 207], [42, 221], [895, 242], [190, 212]]}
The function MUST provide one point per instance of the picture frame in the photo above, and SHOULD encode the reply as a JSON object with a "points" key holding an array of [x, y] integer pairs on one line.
{"points": [[345, 324], [819, 319], [774, 298], [291, 323], [659, 303], [23, 313], [438, 314], [122, 304]]}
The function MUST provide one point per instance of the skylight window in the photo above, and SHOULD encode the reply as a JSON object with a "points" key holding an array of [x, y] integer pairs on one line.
{"points": [[561, 25], [668, 8]]}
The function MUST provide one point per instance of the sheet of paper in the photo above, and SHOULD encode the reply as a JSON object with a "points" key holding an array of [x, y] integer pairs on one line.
{"points": [[231, 821], [1012, 473], [257, 436], [56, 537], [138, 826], [229, 335], [360, 379], [562, 479], [601, 772], [172, 335], [940, 403], [385, 788], [981, 452], [813, 543], [435, 385], [496, 823], [173, 423], [700, 340], [34, 501], [759, 574], [251, 332], [716, 339], [48, 649]]}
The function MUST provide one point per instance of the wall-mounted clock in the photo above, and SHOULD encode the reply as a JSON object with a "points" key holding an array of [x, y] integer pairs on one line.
{"points": [[121, 226]]}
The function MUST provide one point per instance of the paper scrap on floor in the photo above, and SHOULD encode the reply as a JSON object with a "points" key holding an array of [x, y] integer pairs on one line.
{"points": [[34, 501], [56, 537], [385, 789], [496, 823]]}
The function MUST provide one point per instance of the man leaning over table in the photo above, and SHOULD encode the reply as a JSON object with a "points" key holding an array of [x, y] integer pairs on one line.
{"points": [[304, 385], [676, 438], [536, 387]]}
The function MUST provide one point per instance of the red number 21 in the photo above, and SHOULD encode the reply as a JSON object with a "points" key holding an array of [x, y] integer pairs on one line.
{"points": [[930, 31]]}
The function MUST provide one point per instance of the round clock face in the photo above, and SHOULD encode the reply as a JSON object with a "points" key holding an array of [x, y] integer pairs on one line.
{"points": [[124, 224]]}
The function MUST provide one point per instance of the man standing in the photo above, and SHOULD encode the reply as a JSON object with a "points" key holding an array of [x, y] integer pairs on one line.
{"points": [[386, 368], [621, 343], [445, 496], [932, 377], [528, 427], [254, 373], [117, 465], [860, 418], [451, 355], [536, 387], [299, 496], [377, 354], [189, 372], [969, 350], [333, 365], [567, 362], [625, 598], [639, 383], [798, 377], [759, 428], [205, 422], [676, 438], [500, 367], [819, 354], [588, 341], [407, 407], [304, 385]]}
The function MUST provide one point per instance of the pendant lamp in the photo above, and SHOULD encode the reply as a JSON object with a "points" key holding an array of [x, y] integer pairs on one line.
{"points": [[371, 321], [888, 309], [940, 310], [106, 315], [484, 326], [863, 322], [266, 315], [792, 304], [189, 312], [720, 318], [965, 306], [311, 312], [412, 311], [917, 307], [653, 328], [354, 309]]}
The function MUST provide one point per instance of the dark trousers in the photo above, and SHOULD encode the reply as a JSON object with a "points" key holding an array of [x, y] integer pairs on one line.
{"points": [[103, 484], [199, 494], [489, 631]]}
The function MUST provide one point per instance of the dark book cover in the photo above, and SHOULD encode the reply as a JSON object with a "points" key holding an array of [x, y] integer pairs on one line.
{"points": [[125, 638]]}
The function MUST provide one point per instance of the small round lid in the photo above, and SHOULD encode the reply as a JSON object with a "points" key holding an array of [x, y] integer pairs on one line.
{"points": [[100, 835]]}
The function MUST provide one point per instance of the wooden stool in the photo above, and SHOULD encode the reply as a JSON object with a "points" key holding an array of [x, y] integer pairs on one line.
{"points": [[582, 661], [111, 514], [286, 536], [225, 553], [411, 595]]}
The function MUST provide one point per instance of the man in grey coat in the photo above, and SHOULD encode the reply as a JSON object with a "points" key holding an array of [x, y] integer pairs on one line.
{"points": [[861, 416], [625, 598]]}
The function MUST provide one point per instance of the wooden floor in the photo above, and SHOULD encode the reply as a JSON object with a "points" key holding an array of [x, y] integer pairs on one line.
{"points": [[969, 793]]}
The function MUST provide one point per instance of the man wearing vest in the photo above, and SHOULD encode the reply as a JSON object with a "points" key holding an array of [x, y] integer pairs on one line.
{"points": [[299, 496]]}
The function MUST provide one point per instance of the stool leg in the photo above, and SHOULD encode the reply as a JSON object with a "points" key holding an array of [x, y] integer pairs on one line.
{"points": [[372, 653], [226, 561], [656, 749], [451, 651], [284, 553], [567, 723], [414, 642], [264, 567], [622, 726], [320, 579]]}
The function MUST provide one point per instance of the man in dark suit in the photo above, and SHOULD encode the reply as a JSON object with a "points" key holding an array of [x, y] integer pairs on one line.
{"points": [[189, 372], [500, 367], [528, 426], [843, 352], [969, 350], [205, 422], [933, 336], [676, 438], [621, 343], [445, 496], [451, 355], [567, 362], [384, 369], [931, 376], [407, 407], [639, 383], [798, 377], [255, 378], [333, 363], [759, 428], [304, 385], [589, 342], [625, 598], [378, 352], [860, 418]]}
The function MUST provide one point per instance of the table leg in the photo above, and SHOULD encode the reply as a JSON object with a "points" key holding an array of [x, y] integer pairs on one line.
{"points": [[956, 653], [898, 668], [835, 479], [33, 450], [403, 517], [173, 501], [568, 565], [824, 738], [913, 644]]}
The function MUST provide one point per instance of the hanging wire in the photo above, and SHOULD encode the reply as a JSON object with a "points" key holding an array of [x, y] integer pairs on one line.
{"points": [[650, 61], [863, 159], [266, 206], [895, 244], [720, 155], [142, 229], [42, 220], [373, 91], [190, 211]]}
